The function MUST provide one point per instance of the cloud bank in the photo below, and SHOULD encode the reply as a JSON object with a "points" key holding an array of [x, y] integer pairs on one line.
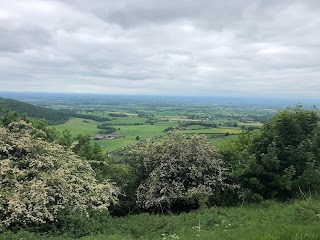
{"points": [[206, 47]]}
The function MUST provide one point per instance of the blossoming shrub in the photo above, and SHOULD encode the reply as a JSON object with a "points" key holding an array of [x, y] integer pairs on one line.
{"points": [[39, 180], [182, 169]]}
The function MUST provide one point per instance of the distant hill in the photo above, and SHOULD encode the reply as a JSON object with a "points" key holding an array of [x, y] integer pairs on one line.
{"points": [[52, 116]]}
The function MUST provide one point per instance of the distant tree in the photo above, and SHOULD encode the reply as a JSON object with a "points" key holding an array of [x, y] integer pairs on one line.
{"points": [[137, 138], [118, 115], [97, 153], [82, 147], [251, 128], [66, 139], [8, 116], [141, 114], [106, 128], [169, 129]]}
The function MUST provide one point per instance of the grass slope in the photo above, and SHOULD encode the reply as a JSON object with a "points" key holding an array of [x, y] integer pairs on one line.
{"points": [[268, 220]]}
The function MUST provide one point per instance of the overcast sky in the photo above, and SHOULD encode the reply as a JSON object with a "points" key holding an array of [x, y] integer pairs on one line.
{"points": [[168, 47]]}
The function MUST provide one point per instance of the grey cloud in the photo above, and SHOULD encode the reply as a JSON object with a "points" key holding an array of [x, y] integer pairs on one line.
{"points": [[19, 39], [180, 47]]}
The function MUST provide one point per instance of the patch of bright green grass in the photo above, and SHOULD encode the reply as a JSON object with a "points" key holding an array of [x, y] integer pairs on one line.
{"points": [[217, 142], [196, 127], [79, 126], [128, 133]]}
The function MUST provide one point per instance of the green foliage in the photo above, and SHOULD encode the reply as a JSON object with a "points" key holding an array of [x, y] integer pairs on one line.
{"points": [[281, 157], [118, 115], [65, 139], [179, 171], [41, 180], [82, 143], [123, 178], [106, 128], [92, 117], [205, 124], [7, 116], [82, 147], [141, 114], [52, 116], [170, 129]]}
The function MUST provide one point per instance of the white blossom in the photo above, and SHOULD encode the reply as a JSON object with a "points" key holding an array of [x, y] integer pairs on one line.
{"points": [[39, 179]]}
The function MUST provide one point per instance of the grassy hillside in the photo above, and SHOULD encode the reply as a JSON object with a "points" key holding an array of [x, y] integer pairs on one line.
{"points": [[52, 116], [265, 221]]}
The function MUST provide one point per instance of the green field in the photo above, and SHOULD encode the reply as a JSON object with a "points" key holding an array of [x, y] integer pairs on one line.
{"points": [[156, 116], [78, 126], [129, 133]]}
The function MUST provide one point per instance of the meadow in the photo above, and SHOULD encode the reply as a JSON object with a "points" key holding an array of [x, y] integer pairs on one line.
{"points": [[150, 116], [143, 122], [128, 131], [266, 221]]}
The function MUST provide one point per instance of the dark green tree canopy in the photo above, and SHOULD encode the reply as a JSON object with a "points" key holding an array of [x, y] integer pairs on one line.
{"points": [[274, 161]]}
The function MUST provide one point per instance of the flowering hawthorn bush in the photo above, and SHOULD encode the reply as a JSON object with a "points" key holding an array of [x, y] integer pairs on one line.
{"points": [[38, 180], [180, 169]]}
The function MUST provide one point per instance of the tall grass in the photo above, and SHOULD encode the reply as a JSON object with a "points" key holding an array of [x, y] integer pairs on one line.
{"points": [[267, 220]]}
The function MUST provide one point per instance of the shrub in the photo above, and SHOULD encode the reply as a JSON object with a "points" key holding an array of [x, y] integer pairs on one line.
{"points": [[40, 180], [280, 158], [178, 171]]}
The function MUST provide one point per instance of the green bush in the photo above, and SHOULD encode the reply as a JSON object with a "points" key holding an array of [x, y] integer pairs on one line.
{"points": [[280, 158]]}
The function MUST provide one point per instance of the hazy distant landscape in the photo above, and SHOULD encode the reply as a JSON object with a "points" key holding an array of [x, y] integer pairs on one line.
{"points": [[220, 119]]}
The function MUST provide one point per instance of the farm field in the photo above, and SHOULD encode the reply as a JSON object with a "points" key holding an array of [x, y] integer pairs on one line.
{"points": [[144, 118], [129, 132]]}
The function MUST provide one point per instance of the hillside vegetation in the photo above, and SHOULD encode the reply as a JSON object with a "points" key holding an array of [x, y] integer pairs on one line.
{"points": [[265, 221], [247, 189], [52, 116]]}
